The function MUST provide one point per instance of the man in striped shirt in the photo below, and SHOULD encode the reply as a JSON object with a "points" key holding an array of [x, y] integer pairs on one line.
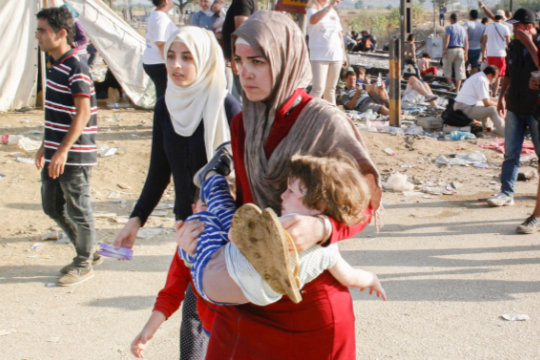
{"points": [[69, 150]]}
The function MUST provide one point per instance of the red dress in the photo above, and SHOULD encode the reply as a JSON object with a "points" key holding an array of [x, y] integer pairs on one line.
{"points": [[321, 326]]}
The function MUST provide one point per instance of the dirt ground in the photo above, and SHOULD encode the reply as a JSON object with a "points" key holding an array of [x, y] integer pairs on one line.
{"points": [[451, 266]]}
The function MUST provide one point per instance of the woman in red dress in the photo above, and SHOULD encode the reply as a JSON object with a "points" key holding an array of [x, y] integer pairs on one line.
{"points": [[280, 119]]}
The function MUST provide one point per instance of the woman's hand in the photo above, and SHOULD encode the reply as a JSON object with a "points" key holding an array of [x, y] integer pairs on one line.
{"points": [[126, 237], [187, 234], [306, 231]]}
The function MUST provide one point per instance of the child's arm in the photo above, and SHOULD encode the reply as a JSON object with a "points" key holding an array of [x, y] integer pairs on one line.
{"points": [[351, 277], [147, 333], [167, 302]]}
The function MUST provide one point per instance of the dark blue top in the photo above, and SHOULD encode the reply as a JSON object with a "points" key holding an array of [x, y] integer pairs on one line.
{"points": [[175, 155]]}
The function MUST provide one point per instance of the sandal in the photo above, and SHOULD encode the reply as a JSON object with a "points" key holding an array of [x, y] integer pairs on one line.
{"points": [[260, 237]]}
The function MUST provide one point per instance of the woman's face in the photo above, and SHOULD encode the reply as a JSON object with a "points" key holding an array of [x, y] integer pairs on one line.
{"points": [[181, 65], [254, 72], [323, 2]]}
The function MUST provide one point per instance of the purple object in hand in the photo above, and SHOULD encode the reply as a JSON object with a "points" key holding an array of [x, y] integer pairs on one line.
{"points": [[111, 251]]}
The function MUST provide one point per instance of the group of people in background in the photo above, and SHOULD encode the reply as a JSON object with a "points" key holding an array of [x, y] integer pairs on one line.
{"points": [[199, 125], [501, 93], [201, 131]]}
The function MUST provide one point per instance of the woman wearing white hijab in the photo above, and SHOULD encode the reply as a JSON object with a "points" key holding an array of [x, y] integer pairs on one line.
{"points": [[190, 121]]}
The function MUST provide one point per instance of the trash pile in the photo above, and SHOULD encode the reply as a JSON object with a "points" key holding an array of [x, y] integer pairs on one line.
{"points": [[417, 121]]}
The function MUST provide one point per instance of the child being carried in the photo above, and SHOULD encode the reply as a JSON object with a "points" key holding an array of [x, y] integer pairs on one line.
{"points": [[330, 185]]}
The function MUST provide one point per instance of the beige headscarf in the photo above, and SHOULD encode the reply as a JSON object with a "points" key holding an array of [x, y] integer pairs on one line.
{"points": [[320, 126], [204, 99]]}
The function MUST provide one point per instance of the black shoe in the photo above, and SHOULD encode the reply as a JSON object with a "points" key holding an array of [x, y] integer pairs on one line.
{"points": [[220, 163]]}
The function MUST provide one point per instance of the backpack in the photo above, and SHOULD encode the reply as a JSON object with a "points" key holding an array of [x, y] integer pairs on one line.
{"points": [[455, 117]]}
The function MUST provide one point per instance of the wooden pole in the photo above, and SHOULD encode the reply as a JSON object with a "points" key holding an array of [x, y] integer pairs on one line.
{"points": [[394, 76]]}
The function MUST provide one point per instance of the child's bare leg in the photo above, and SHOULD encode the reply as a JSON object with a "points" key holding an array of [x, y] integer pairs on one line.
{"points": [[218, 284], [351, 277]]}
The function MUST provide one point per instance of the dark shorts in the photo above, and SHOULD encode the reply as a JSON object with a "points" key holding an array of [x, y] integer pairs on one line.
{"points": [[472, 58]]}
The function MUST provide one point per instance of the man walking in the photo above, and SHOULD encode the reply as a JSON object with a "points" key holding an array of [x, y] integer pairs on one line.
{"points": [[475, 33], [68, 150], [455, 49], [520, 103], [496, 39]]}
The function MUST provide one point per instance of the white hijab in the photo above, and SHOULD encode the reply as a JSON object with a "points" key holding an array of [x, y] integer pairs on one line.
{"points": [[204, 98]]}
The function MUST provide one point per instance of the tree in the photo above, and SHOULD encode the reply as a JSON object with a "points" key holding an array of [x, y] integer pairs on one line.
{"points": [[359, 4], [182, 5]]}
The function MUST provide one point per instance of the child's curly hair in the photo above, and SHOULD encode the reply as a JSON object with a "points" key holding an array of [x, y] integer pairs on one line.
{"points": [[334, 185]]}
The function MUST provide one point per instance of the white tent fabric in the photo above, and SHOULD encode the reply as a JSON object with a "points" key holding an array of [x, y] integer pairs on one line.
{"points": [[19, 55], [120, 46], [118, 43]]}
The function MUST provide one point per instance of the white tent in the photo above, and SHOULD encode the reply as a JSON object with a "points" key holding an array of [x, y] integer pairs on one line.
{"points": [[118, 43]]}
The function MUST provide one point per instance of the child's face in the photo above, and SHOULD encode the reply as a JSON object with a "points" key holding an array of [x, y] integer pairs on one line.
{"points": [[291, 199], [216, 6], [198, 206]]}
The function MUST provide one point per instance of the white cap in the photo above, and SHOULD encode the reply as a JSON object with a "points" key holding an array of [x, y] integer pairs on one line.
{"points": [[500, 12]]}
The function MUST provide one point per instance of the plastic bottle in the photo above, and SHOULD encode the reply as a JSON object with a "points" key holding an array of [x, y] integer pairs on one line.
{"points": [[379, 80], [461, 135], [8, 139]]}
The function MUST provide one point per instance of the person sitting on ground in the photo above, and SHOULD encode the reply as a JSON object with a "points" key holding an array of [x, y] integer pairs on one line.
{"points": [[476, 90], [330, 184], [424, 65], [368, 42], [356, 96], [350, 43], [361, 77], [417, 92], [409, 55]]}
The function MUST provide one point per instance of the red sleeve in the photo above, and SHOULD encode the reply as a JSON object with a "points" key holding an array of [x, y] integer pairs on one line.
{"points": [[341, 231], [238, 135], [172, 295]]}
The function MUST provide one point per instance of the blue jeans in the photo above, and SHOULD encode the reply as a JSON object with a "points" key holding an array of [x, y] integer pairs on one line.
{"points": [[66, 200], [514, 134]]}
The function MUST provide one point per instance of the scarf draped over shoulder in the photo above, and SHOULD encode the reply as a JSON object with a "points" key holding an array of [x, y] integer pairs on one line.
{"points": [[320, 127]]}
